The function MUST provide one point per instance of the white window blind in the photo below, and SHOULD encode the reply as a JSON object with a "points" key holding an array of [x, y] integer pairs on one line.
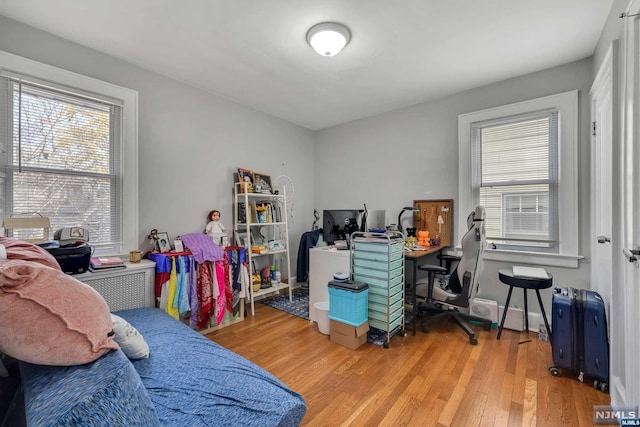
{"points": [[515, 175], [61, 152]]}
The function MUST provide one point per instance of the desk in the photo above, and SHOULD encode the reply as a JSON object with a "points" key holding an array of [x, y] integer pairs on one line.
{"points": [[507, 277], [414, 257]]}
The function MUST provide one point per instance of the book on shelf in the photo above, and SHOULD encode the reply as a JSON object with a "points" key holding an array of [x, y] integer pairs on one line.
{"points": [[103, 263]]}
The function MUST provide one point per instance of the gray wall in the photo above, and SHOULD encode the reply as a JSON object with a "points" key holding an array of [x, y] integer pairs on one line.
{"points": [[387, 161], [190, 141]]}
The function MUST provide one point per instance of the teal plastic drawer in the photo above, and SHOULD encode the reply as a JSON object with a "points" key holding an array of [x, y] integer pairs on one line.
{"points": [[377, 264], [381, 312], [381, 274], [384, 326], [385, 299], [382, 247], [383, 315], [378, 283], [378, 256], [388, 293]]}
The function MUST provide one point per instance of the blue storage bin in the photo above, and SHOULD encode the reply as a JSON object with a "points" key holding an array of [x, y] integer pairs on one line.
{"points": [[348, 302]]}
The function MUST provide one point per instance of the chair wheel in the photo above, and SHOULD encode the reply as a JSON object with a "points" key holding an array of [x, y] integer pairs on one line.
{"points": [[554, 371], [425, 329], [473, 340]]}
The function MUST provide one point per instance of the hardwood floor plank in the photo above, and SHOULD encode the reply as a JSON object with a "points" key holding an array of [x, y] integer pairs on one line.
{"points": [[530, 403], [434, 379]]}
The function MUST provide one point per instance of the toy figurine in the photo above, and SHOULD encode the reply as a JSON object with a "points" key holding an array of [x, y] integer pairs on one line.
{"points": [[215, 229], [153, 239], [423, 238]]}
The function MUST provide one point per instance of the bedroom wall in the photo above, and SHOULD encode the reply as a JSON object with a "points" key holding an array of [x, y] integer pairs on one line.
{"points": [[190, 141], [389, 160]]}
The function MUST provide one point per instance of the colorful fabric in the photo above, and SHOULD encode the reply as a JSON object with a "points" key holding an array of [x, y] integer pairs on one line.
{"points": [[171, 309], [203, 285], [202, 247]]}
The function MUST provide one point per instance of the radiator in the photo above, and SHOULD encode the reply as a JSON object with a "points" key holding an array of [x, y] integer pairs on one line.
{"points": [[124, 289]]}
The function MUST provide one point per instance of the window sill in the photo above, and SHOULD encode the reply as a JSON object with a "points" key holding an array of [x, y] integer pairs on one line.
{"points": [[521, 257], [535, 258]]}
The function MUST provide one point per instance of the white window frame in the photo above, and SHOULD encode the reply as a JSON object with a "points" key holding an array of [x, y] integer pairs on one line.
{"points": [[129, 152], [567, 106]]}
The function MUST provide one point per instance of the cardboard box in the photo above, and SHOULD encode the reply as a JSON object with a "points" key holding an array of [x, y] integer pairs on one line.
{"points": [[347, 335], [514, 320], [484, 308]]}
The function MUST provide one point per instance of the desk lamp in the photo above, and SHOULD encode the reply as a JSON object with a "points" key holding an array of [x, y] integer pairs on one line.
{"points": [[406, 208]]}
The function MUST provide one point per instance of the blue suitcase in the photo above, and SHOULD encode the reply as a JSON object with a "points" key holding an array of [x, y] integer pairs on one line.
{"points": [[579, 339]]}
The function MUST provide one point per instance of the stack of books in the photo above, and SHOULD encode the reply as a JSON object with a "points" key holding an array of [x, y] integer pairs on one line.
{"points": [[105, 263]]}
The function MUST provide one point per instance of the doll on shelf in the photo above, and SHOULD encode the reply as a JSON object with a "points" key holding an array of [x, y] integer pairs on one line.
{"points": [[215, 229]]}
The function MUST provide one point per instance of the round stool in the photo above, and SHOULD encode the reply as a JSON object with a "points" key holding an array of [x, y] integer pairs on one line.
{"points": [[506, 276]]}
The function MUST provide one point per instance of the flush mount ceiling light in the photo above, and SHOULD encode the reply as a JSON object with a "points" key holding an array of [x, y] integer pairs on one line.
{"points": [[328, 38]]}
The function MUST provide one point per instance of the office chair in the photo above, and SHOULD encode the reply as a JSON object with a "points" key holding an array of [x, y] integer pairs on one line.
{"points": [[463, 282]]}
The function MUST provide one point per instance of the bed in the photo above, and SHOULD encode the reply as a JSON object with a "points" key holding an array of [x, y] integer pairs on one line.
{"points": [[186, 379]]}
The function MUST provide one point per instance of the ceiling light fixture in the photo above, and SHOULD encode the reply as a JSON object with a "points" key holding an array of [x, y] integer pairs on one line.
{"points": [[328, 38]]}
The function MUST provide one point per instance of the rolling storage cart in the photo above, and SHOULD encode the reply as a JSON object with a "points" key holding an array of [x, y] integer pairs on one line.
{"points": [[377, 259]]}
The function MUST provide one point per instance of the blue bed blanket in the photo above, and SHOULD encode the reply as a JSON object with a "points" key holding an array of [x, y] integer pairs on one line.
{"points": [[193, 381]]}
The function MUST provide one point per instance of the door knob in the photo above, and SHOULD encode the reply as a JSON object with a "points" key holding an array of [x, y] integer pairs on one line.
{"points": [[604, 239]]}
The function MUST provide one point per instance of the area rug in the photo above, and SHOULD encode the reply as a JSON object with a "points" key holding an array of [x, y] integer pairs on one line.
{"points": [[298, 307]]}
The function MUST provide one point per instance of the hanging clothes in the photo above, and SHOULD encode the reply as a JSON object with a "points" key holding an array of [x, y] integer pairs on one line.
{"points": [[171, 293], [204, 290], [307, 241]]}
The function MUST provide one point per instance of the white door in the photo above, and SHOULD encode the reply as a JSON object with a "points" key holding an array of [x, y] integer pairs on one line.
{"points": [[602, 96], [625, 374]]}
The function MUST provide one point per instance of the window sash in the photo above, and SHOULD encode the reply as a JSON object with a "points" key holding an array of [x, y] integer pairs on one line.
{"points": [[71, 170], [517, 156]]}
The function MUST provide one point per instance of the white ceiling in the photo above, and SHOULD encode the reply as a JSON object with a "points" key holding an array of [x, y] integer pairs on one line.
{"points": [[255, 52]]}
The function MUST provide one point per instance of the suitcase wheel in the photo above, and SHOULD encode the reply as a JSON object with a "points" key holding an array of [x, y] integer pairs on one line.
{"points": [[554, 371], [603, 386]]}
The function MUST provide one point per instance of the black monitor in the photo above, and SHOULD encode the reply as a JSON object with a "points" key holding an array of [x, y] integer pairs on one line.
{"points": [[338, 224]]}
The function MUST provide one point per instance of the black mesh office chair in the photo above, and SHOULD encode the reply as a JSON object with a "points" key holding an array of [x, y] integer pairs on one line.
{"points": [[463, 282]]}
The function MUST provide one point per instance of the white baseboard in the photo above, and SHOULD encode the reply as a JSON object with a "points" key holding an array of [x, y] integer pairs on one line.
{"points": [[535, 319]]}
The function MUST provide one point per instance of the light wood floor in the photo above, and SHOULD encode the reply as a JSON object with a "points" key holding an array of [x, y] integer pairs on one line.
{"points": [[435, 379]]}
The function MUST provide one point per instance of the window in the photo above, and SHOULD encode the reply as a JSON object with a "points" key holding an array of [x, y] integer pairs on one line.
{"points": [[519, 161], [515, 175], [65, 148]]}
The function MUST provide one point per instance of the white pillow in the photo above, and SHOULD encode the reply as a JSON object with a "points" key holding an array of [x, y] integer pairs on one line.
{"points": [[129, 339]]}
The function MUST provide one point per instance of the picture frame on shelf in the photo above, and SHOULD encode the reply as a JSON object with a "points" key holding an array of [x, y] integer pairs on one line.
{"points": [[177, 244], [242, 240], [245, 176], [163, 244], [263, 182]]}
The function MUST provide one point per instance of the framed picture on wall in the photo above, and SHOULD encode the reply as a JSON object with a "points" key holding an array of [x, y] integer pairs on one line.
{"points": [[263, 181]]}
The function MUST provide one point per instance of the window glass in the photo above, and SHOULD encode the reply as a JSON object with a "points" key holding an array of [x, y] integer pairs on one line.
{"points": [[61, 160]]}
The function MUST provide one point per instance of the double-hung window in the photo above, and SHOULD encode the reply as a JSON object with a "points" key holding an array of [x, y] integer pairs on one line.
{"points": [[520, 162], [62, 156], [515, 174]]}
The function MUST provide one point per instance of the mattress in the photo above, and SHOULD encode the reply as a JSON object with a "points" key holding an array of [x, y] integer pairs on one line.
{"points": [[193, 381]]}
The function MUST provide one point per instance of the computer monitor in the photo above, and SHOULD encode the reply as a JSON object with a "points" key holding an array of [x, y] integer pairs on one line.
{"points": [[338, 224]]}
